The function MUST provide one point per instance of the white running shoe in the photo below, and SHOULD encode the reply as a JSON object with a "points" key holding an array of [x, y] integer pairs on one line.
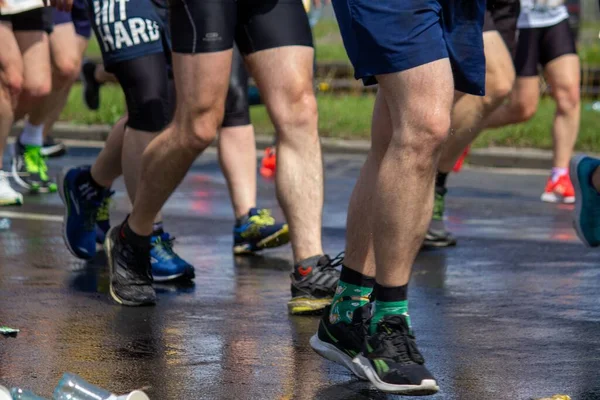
{"points": [[8, 196]]}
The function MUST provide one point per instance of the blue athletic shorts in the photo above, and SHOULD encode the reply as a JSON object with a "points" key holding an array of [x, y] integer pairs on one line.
{"points": [[79, 17], [386, 36], [128, 29]]}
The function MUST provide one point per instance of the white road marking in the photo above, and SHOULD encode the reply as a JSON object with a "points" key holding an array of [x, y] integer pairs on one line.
{"points": [[31, 216]]}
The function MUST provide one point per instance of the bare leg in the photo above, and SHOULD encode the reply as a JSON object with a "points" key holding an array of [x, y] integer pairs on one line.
{"points": [[66, 50], [201, 81], [11, 81], [469, 111], [521, 106], [237, 156], [420, 115], [37, 82], [284, 77], [563, 75], [102, 76], [107, 166], [359, 232]]}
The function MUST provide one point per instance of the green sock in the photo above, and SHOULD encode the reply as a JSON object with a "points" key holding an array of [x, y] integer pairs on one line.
{"points": [[353, 291], [385, 308]]}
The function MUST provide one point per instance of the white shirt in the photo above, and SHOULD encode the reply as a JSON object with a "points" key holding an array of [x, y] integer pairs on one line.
{"points": [[541, 13]]}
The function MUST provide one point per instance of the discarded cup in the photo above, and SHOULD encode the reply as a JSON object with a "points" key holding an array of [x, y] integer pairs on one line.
{"points": [[20, 394], [73, 387], [4, 393], [4, 224]]}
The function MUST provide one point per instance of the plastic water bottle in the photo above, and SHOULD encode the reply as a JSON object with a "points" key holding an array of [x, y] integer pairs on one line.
{"points": [[20, 394], [4, 393], [73, 387]]}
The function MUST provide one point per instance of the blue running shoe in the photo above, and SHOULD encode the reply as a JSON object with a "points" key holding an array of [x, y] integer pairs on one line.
{"points": [[586, 218], [103, 218], [166, 264], [81, 202], [257, 231]]}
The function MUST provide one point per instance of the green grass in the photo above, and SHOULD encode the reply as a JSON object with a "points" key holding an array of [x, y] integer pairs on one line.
{"points": [[349, 117], [112, 107], [328, 42]]}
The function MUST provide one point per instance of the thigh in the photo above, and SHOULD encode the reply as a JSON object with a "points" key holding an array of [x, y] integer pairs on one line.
{"points": [[498, 61], [412, 98], [526, 92], [66, 47], [145, 83], [202, 26], [527, 58], [237, 109], [11, 63], [556, 42], [564, 73], [35, 50], [270, 24]]}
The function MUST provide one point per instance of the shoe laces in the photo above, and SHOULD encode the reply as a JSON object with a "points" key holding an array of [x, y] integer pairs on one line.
{"points": [[397, 341], [163, 245], [33, 159], [103, 213], [262, 218], [334, 262]]}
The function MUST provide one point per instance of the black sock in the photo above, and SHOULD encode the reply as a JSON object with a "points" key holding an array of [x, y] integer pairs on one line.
{"points": [[396, 293], [133, 238], [86, 177], [356, 278], [440, 180], [158, 228]]}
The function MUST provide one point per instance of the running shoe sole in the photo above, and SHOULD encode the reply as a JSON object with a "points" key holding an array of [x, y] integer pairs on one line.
{"points": [[426, 388], [56, 150], [111, 272], [279, 238], [556, 198], [332, 353], [61, 192], [21, 182], [578, 198], [307, 305], [17, 201], [185, 275]]}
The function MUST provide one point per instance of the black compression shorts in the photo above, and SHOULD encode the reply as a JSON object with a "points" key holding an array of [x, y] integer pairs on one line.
{"points": [[205, 26], [539, 46], [237, 108], [38, 19], [502, 16]]}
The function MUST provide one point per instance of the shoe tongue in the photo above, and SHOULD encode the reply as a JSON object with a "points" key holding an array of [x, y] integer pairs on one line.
{"points": [[322, 260], [395, 323], [362, 314], [253, 212]]}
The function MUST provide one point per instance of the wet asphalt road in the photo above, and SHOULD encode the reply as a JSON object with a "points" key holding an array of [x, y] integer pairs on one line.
{"points": [[511, 313]]}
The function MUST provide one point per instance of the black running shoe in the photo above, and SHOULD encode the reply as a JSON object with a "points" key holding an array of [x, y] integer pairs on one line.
{"points": [[392, 361], [129, 270], [53, 148], [91, 87], [341, 342], [437, 235], [313, 284]]}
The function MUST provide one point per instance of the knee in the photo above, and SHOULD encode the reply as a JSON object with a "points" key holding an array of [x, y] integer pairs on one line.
{"points": [[198, 126], [66, 71], [13, 81], [497, 91], [423, 141], [567, 100], [37, 89], [523, 111], [296, 111]]}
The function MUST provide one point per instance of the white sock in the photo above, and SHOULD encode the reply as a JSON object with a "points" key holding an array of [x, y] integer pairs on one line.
{"points": [[557, 173], [32, 135]]}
